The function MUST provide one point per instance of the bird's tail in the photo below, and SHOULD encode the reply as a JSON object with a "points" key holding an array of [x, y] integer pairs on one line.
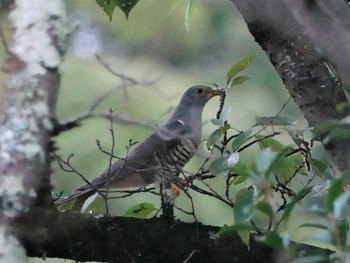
{"points": [[80, 198], [82, 194]]}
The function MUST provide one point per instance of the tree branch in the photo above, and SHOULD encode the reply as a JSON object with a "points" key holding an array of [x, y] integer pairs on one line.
{"points": [[116, 239]]}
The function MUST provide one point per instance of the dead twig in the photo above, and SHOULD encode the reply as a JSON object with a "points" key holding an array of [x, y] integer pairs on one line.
{"points": [[114, 73], [66, 166]]}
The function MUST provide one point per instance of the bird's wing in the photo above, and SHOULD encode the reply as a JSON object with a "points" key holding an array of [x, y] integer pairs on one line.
{"points": [[173, 130]]}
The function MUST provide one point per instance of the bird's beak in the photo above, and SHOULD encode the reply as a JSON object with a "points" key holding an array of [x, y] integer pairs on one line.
{"points": [[217, 92]]}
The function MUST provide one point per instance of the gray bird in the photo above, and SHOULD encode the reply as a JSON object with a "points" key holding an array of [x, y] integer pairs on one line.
{"points": [[162, 156]]}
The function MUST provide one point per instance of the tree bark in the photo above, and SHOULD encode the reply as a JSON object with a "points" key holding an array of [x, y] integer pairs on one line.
{"points": [[119, 239], [281, 32], [28, 105]]}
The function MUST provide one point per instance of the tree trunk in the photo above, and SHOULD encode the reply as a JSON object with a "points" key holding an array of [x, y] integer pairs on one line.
{"points": [[28, 105]]}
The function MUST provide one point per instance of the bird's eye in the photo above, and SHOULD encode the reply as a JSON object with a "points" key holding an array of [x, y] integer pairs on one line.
{"points": [[200, 90]]}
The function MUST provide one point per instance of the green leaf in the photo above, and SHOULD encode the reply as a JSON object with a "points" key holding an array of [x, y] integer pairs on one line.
{"points": [[264, 159], [233, 159], [228, 230], [340, 107], [108, 6], [242, 171], [213, 138], [315, 225], [299, 196], [225, 127], [141, 210], [265, 208], [325, 127], [319, 166], [216, 122], [272, 239], [284, 167], [340, 205], [225, 114], [340, 132], [238, 67], [126, 6], [44, 256], [335, 190], [269, 143], [321, 188], [189, 13], [343, 231], [239, 179], [245, 237], [275, 121], [243, 209], [241, 139], [219, 167], [238, 80]]}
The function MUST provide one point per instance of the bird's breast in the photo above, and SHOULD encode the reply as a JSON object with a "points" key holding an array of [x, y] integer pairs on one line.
{"points": [[170, 163]]}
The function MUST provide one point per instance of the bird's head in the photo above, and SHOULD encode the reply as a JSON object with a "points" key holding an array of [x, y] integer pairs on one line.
{"points": [[199, 95], [189, 110]]}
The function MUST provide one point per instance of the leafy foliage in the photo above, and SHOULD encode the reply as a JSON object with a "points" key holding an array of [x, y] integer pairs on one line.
{"points": [[243, 209], [273, 172], [220, 167], [108, 6], [284, 165], [237, 68], [242, 172], [241, 139], [272, 239], [334, 230], [275, 121]]}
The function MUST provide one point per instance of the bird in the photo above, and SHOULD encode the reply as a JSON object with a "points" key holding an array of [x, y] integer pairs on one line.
{"points": [[160, 158]]}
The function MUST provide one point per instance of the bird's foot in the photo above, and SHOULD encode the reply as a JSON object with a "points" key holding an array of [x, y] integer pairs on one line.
{"points": [[180, 184], [175, 189]]}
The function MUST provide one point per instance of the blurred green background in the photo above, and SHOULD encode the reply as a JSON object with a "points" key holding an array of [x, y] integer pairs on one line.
{"points": [[153, 45]]}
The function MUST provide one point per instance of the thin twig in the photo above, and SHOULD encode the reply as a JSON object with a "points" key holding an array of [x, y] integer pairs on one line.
{"points": [[278, 113], [111, 130], [110, 70], [193, 213], [217, 196], [62, 163], [190, 256], [258, 140], [75, 122], [227, 187], [127, 193]]}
